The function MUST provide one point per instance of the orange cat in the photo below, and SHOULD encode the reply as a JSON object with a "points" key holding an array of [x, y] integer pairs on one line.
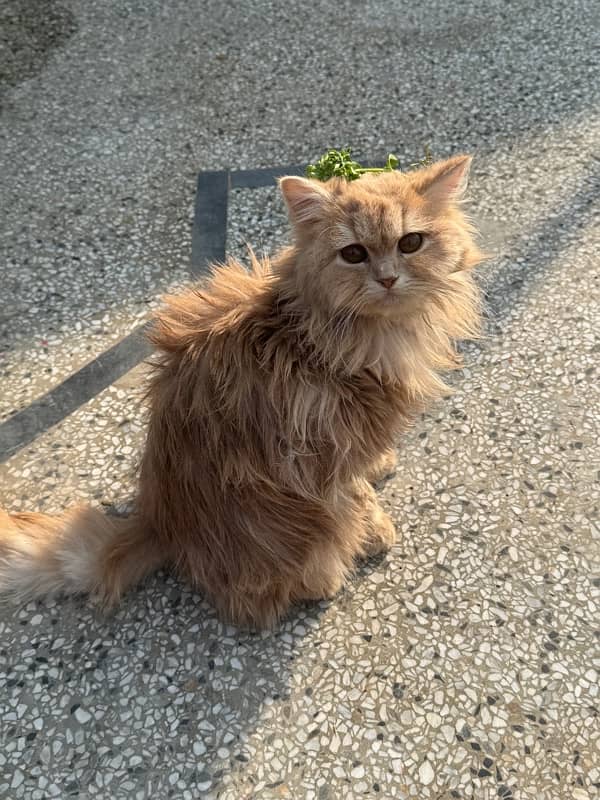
{"points": [[276, 398]]}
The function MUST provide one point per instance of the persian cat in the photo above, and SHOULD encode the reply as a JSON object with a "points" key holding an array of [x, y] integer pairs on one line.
{"points": [[276, 398]]}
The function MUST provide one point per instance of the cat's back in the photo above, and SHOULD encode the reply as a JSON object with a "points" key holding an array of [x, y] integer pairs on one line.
{"points": [[226, 305]]}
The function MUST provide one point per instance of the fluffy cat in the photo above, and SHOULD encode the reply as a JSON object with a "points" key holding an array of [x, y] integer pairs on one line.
{"points": [[276, 397]]}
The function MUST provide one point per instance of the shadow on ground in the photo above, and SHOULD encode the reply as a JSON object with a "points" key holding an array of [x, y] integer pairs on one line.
{"points": [[29, 31]]}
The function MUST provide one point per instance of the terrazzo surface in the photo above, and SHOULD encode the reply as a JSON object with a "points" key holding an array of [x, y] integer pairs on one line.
{"points": [[464, 664]]}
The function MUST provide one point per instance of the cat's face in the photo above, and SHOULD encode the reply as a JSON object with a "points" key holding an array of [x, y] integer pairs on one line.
{"points": [[385, 244]]}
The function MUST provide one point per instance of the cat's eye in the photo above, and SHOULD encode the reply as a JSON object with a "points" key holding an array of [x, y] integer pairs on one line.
{"points": [[410, 243], [354, 253]]}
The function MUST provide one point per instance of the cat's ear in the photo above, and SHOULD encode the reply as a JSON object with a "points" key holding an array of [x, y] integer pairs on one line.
{"points": [[305, 199], [446, 181]]}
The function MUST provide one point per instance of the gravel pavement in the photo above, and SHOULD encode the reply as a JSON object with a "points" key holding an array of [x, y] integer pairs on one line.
{"points": [[465, 663]]}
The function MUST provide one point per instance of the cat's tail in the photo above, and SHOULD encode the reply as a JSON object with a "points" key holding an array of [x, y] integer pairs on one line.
{"points": [[81, 551]]}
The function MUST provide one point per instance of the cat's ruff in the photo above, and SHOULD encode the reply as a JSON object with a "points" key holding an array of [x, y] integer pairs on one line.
{"points": [[276, 396]]}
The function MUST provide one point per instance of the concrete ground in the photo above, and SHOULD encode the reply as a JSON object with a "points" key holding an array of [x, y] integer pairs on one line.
{"points": [[463, 665]]}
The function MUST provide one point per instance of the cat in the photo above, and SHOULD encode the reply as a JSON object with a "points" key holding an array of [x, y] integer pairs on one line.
{"points": [[276, 399]]}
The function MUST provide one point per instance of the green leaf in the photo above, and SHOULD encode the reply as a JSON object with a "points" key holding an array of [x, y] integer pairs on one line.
{"points": [[339, 164]]}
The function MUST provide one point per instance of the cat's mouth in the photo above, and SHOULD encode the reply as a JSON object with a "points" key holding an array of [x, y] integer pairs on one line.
{"points": [[391, 304], [391, 297], [400, 301]]}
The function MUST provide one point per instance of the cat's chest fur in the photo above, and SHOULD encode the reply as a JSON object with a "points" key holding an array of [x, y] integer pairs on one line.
{"points": [[337, 406]]}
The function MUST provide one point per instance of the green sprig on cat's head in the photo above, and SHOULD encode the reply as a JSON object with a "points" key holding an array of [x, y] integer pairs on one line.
{"points": [[339, 164]]}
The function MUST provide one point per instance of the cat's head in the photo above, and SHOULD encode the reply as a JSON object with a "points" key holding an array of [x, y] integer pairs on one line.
{"points": [[386, 245]]}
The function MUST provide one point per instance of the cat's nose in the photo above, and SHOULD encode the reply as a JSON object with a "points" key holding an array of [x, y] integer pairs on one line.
{"points": [[387, 282]]}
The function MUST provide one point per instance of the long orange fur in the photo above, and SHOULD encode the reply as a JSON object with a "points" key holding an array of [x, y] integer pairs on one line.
{"points": [[277, 396]]}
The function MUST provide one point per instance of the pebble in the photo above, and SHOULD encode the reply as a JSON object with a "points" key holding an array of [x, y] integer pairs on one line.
{"points": [[82, 716], [426, 773]]}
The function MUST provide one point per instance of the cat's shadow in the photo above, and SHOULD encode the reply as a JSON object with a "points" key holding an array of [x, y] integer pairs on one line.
{"points": [[164, 679]]}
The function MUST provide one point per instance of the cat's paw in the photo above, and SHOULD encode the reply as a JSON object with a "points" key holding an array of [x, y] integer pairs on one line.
{"points": [[381, 534], [383, 467], [326, 587]]}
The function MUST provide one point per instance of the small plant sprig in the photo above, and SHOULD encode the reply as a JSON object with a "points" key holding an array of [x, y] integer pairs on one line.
{"points": [[339, 164], [425, 161]]}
